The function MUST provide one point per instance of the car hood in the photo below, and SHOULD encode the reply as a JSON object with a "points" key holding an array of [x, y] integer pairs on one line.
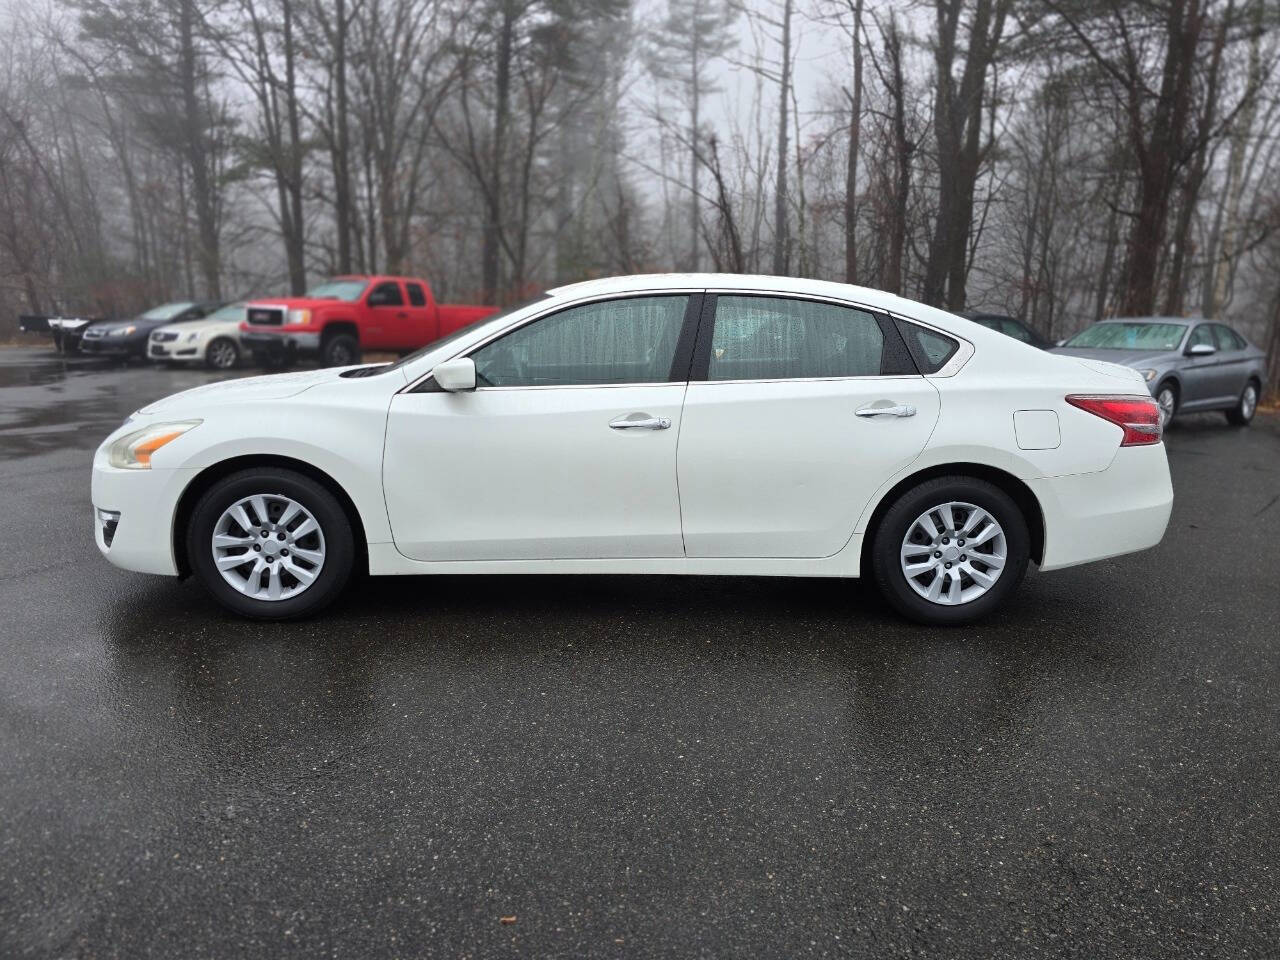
{"points": [[202, 326], [1137, 359], [297, 303], [271, 387]]}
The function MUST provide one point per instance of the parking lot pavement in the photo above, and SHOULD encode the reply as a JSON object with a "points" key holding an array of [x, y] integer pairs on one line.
{"points": [[633, 766]]}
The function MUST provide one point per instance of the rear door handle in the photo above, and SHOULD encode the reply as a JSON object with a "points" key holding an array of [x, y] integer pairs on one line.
{"points": [[892, 410], [640, 422]]}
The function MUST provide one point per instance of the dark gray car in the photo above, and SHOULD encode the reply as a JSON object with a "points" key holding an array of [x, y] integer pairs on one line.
{"points": [[1190, 364]]}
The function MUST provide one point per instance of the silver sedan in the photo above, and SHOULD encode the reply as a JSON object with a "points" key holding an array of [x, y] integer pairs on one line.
{"points": [[1190, 364]]}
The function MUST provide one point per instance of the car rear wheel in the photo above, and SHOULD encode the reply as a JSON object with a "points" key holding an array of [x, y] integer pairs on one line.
{"points": [[1242, 413], [222, 354], [1167, 401], [271, 544], [340, 350], [950, 550]]}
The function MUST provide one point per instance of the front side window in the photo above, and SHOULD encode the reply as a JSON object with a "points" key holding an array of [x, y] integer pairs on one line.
{"points": [[609, 342], [774, 338], [1202, 336], [386, 295]]}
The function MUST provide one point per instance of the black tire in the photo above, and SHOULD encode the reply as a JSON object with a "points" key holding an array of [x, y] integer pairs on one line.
{"points": [[339, 350], [1172, 388], [902, 515], [339, 541], [222, 354], [1241, 415]]}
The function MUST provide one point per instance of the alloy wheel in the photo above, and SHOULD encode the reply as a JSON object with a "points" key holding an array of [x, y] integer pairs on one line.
{"points": [[268, 547], [1249, 402], [953, 553], [222, 354], [1167, 401]]}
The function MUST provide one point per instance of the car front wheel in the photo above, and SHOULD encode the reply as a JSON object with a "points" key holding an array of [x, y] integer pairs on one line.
{"points": [[271, 544], [222, 354], [950, 550]]}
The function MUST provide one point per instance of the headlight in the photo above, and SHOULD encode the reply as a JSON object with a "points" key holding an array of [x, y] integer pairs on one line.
{"points": [[124, 331], [299, 316], [133, 451], [1148, 375]]}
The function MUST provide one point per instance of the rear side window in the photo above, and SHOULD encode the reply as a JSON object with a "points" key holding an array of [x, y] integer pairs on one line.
{"points": [[1227, 338], [416, 297], [929, 349], [775, 338], [1015, 330]]}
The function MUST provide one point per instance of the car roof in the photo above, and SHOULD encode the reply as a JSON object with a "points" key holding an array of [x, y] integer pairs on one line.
{"points": [[639, 283]]}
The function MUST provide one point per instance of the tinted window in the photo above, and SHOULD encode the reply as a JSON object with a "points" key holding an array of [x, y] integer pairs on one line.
{"points": [[1227, 339], [772, 338], [612, 341], [416, 297], [1114, 335], [1015, 330], [386, 295], [167, 312], [929, 349]]}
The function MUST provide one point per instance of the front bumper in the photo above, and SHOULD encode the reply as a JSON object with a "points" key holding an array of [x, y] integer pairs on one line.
{"points": [[279, 341], [114, 346], [173, 350], [1093, 516], [145, 502]]}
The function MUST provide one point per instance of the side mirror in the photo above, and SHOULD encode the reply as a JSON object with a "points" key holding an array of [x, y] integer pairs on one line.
{"points": [[1059, 343], [1201, 350], [455, 375]]}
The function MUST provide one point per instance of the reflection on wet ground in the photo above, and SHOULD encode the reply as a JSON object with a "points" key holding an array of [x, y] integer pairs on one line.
{"points": [[633, 766]]}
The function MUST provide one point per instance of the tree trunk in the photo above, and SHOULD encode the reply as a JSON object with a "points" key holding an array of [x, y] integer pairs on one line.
{"points": [[851, 166], [781, 230], [343, 220], [491, 241], [198, 156]]}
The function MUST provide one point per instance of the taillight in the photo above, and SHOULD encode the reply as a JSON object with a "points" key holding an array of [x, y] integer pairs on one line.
{"points": [[1138, 417]]}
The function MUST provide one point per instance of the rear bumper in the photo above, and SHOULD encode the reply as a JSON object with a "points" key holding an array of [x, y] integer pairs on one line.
{"points": [[1093, 516], [279, 342]]}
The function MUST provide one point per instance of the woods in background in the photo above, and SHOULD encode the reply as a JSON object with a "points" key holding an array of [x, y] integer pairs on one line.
{"points": [[1058, 160]]}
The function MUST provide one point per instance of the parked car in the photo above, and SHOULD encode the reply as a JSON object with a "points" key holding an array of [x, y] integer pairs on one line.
{"points": [[1189, 364], [213, 340], [64, 331], [1010, 327], [128, 338], [344, 316], [865, 435]]}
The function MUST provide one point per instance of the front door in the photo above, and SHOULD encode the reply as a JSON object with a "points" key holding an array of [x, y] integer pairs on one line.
{"points": [[795, 427], [566, 449], [388, 323]]}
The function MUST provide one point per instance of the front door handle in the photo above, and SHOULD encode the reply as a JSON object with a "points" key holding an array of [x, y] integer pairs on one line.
{"points": [[892, 410], [640, 421]]}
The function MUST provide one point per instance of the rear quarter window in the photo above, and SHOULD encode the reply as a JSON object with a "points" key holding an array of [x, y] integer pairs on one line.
{"points": [[929, 349]]}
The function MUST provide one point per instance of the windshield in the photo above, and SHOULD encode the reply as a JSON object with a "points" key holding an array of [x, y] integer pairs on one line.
{"points": [[348, 290], [166, 311], [232, 311], [1129, 336], [460, 332]]}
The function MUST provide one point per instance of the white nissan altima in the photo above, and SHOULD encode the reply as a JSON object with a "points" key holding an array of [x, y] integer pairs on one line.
{"points": [[696, 424]]}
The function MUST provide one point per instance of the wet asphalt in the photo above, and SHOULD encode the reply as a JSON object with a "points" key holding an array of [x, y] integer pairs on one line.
{"points": [[633, 767]]}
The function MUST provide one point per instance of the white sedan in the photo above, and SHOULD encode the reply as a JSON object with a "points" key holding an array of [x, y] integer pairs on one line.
{"points": [[693, 424], [213, 340]]}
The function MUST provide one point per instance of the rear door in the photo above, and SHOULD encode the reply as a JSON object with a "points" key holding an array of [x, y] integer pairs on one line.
{"points": [[423, 318], [387, 321], [1233, 365], [798, 411]]}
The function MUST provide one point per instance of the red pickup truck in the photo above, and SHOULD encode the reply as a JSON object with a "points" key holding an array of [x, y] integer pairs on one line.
{"points": [[344, 316]]}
